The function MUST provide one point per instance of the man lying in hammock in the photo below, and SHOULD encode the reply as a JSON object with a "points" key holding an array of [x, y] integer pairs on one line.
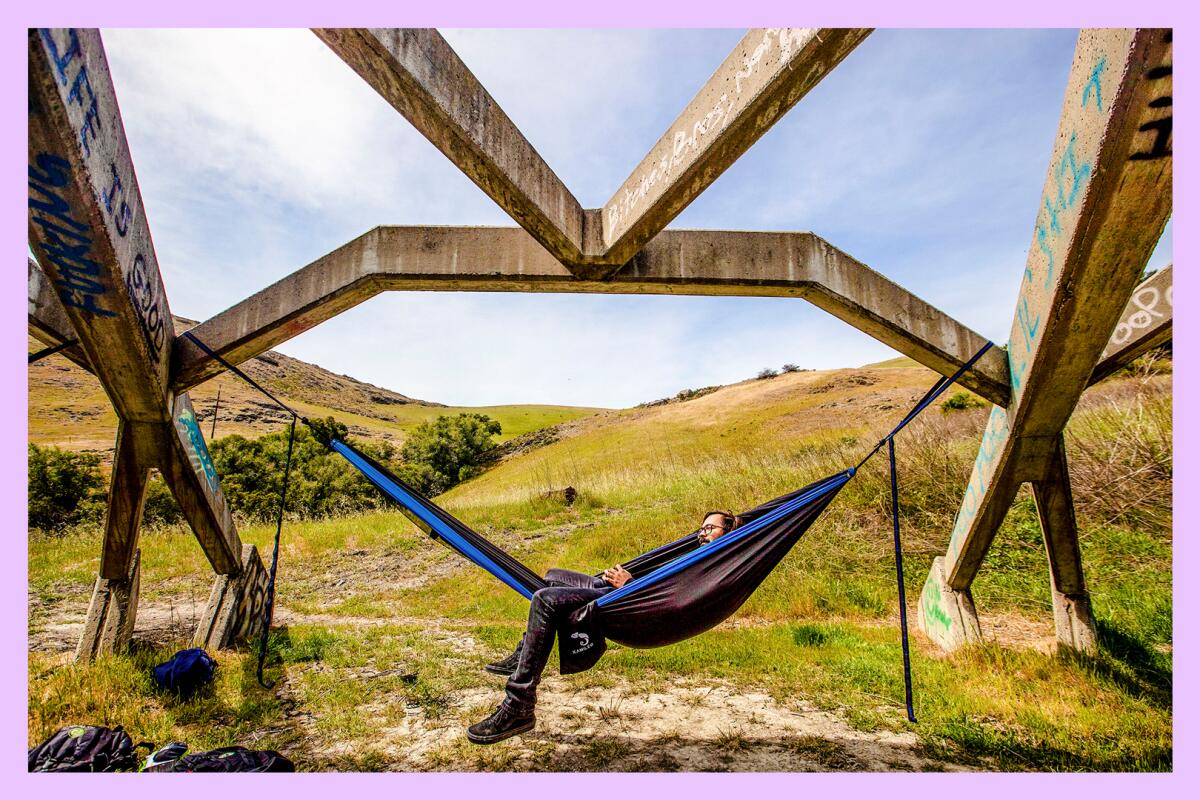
{"points": [[566, 592]]}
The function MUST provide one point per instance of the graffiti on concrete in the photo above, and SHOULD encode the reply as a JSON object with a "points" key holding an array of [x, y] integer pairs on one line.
{"points": [[252, 603], [981, 477], [1149, 304], [66, 241], [1161, 127], [691, 137], [935, 616], [198, 455]]}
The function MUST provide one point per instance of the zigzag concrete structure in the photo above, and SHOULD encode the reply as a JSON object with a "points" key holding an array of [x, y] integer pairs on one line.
{"points": [[94, 283]]}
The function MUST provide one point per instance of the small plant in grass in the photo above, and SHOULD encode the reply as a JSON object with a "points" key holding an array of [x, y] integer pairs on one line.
{"points": [[730, 741], [961, 401], [766, 374]]}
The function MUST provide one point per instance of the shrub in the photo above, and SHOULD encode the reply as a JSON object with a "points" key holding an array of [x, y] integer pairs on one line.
{"points": [[64, 488], [765, 374], [961, 401], [160, 507], [444, 452], [789, 368], [321, 484]]}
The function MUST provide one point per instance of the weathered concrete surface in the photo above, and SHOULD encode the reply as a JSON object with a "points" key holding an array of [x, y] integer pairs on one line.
{"points": [[188, 470], [767, 73], [111, 614], [48, 320], [946, 616], [126, 497], [1106, 200], [1145, 324], [675, 262], [422, 77], [235, 605], [87, 223], [1073, 621], [88, 231]]}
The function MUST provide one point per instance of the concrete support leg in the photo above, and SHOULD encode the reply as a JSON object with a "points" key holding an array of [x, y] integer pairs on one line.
{"points": [[234, 613], [1073, 620], [948, 617], [111, 615]]}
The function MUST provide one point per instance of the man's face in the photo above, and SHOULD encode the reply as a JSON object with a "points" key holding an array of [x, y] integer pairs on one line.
{"points": [[712, 528]]}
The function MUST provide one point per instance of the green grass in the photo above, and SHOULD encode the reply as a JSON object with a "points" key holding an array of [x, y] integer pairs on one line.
{"points": [[820, 630]]}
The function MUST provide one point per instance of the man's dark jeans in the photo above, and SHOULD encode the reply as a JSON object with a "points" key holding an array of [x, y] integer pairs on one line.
{"points": [[566, 592]]}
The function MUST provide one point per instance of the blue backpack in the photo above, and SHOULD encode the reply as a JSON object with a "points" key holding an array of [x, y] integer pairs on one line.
{"points": [[185, 672]]}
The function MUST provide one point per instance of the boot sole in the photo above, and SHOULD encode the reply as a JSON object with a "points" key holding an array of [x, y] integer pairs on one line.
{"points": [[499, 737], [495, 670]]}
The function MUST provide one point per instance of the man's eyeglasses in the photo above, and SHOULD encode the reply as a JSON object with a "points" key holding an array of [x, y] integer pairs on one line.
{"points": [[706, 532]]}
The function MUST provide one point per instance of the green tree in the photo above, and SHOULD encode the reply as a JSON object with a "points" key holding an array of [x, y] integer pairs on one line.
{"points": [[443, 452], [64, 487]]}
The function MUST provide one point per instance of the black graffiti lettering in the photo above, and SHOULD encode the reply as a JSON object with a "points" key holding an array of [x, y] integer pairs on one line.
{"points": [[1159, 72], [121, 221], [115, 188], [1162, 129], [1160, 102]]}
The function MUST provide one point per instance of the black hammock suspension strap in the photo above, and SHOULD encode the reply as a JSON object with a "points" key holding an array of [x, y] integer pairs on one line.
{"points": [[262, 649], [49, 351], [890, 440], [287, 471]]}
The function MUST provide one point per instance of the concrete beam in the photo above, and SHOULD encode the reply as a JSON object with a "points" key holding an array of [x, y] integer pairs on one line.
{"points": [[48, 320], [111, 614], [422, 77], [1106, 201], [1073, 621], [236, 605], [675, 262], [1145, 324], [87, 223], [189, 472], [767, 73], [126, 496]]}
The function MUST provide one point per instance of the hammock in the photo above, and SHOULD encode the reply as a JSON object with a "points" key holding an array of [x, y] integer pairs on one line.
{"points": [[679, 589]]}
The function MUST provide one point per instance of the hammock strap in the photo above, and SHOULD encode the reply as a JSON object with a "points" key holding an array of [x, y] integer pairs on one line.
{"points": [[208, 350], [908, 694], [934, 391], [49, 351], [270, 609]]}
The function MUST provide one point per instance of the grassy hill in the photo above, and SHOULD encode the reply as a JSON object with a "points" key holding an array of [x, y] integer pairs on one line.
{"points": [[68, 407], [380, 635]]}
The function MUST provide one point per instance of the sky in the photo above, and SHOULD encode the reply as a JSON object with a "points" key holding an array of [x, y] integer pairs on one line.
{"points": [[922, 155]]}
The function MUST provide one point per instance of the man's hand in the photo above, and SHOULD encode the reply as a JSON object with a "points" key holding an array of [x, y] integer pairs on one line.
{"points": [[618, 576]]}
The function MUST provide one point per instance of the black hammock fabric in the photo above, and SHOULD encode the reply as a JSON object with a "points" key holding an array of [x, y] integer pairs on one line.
{"points": [[678, 590]]}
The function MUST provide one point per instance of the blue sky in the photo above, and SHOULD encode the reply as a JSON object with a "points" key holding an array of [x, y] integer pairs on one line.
{"points": [[922, 155]]}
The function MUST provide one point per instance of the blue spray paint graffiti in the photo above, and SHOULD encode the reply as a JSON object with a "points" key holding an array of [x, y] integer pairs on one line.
{"points": [[198, 451], [66, 242], [981, 475]]}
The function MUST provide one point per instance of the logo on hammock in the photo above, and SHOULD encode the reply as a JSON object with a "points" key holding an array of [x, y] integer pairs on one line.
{"points": [[585, 642]]}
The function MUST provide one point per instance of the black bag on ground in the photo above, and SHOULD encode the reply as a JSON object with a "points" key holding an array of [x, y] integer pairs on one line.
{"points": [[234, 759], [86, 748], [185, 672]]}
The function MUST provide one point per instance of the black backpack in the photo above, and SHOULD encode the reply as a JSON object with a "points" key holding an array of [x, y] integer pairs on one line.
{"points": [[86, 748], [234, 759], [185, 672]]}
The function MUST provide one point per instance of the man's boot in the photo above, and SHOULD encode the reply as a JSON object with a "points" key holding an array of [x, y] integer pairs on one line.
{"points": [[507, 666], [503, 723]]}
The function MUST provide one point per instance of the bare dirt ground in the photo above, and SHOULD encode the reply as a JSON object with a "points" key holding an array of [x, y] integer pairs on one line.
{"points": [[688, 726]]}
